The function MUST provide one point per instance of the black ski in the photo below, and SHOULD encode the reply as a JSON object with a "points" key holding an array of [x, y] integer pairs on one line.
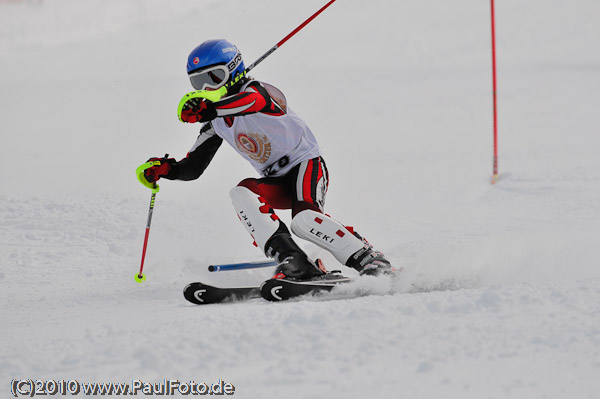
{"points": [[204, 294], [272, 290], [283, 289]]}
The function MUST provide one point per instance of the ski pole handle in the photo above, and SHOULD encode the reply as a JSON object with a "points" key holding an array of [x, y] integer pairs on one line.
{"points": [[140, 175], [139, 172]]}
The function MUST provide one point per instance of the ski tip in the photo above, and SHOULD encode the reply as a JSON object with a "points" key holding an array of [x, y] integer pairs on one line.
{"points": [[277, 290], [271, 290], [193, 293], [203, 294]]}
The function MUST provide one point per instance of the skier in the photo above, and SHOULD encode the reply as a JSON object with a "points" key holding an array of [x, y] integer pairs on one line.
{"points": [[255, 120]]}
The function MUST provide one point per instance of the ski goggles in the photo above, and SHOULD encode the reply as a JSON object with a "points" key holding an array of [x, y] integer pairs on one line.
{"points": [[211, 77]]}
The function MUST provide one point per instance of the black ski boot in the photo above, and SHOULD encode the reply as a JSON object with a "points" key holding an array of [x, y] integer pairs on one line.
{"points": [[293, 262], [370, 262]]}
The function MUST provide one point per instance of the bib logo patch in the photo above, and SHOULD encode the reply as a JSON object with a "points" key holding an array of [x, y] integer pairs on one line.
{"points": [[255, 145]]}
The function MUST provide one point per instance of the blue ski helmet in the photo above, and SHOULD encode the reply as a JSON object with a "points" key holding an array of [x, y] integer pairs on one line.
{"points": [[219, 58]]}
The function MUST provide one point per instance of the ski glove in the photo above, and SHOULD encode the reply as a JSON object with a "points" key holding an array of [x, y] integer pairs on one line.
{"points": [[198, 110], [160, 169]]}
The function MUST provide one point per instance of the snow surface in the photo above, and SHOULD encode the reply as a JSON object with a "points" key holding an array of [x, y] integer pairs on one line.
{"points": [[500, 297]]}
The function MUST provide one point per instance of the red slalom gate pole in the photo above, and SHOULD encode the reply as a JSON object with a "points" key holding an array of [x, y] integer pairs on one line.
{"points": [[303, 24], [218, 94], [285, 39], [495, 100]]}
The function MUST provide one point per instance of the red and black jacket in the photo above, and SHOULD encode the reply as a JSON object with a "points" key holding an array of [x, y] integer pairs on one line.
{"points": [[254, 98]]}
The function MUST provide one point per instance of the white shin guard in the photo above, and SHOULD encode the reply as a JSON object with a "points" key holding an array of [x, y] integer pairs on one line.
{"points": [[256, 216], [327, 233]]}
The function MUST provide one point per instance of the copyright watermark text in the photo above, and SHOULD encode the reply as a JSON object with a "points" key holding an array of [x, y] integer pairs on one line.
{"points": [[31, 388]]}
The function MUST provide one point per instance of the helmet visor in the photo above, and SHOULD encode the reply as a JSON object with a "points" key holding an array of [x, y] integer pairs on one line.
{"points": [[211, 77]]}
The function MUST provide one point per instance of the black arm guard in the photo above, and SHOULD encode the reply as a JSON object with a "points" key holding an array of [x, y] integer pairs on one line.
{"points": [[192, 166]]}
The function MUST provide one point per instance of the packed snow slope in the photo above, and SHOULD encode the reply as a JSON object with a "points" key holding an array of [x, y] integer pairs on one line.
{"points": [[500, 294]]}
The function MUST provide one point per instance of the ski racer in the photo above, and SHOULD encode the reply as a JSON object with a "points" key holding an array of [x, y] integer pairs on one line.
{"points": [[255, 119]]}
